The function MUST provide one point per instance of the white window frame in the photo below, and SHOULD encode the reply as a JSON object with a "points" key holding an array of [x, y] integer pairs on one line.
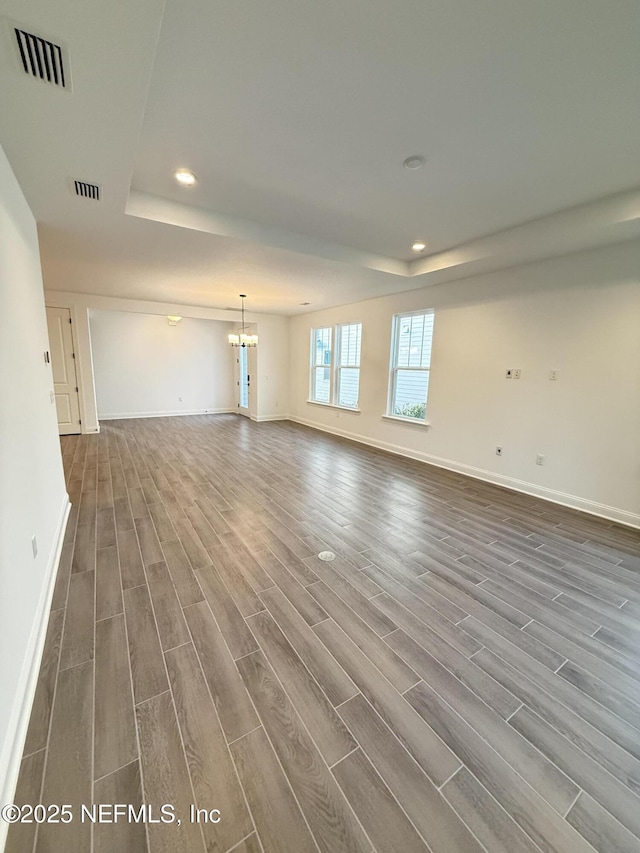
{"points": [[335, 368], [394, 368], [313, 365], [340, 367]]}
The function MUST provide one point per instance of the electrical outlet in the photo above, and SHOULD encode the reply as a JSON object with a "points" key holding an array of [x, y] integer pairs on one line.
{"points": [[52, 396], [553, 374], [179, 399], [539, 459], [34, 546], [498, 451], [508, 373], [517, 373]]}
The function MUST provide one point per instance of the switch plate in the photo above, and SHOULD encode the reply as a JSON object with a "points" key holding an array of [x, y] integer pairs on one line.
{"points": [[508, 373], [498, 451], [539, 459], [517, 373]]}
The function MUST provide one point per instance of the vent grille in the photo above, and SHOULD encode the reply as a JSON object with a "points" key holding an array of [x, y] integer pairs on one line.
{"points": [[42, 59], [85, 190]]}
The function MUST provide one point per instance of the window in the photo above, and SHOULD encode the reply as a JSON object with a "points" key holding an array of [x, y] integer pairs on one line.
{"points": [[348, 370], [335, 379], [410, 363], [321, 365]]}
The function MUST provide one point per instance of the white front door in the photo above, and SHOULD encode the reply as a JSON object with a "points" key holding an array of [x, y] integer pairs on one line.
{"points": [[63, 364], [244, 381]]}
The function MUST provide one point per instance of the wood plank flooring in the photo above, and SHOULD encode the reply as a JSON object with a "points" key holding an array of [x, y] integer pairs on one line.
{"points": [[463, 677]]}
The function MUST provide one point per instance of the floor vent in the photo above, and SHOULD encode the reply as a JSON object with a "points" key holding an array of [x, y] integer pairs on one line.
{"points": [[85, 190], [43, 59], [327, 556]]}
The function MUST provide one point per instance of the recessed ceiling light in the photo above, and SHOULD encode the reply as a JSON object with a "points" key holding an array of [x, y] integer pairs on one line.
{"points": [[185, 178], [419, 246], [416, 161]]}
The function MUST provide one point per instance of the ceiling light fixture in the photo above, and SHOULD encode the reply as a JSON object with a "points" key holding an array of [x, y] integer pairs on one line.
{"points": [[185, 178], [173, 319], [419, 246], [416, 161], [241, 339]]}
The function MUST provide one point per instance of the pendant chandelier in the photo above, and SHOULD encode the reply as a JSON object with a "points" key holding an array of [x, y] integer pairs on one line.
{"points": [[242, 339]]}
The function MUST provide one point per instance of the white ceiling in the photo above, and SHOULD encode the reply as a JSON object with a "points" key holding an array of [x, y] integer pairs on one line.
{"points": [[296, 117]]}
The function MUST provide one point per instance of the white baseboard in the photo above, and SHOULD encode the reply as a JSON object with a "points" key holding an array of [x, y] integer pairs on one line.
{"points": [[610, 513], [262, 418], [25, 692], [182, 412]]}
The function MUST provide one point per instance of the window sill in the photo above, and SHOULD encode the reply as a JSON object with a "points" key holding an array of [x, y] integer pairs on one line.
{"points": [[333, 406], [413, 421]]}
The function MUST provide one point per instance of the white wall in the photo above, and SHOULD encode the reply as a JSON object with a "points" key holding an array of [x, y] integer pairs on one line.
{"points": [[33, 498], [272, 356], [269, 364], [143, 366], [579, 314]]}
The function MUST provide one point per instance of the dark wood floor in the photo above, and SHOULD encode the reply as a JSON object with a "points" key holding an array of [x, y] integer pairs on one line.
{"points": [[465, 675]]}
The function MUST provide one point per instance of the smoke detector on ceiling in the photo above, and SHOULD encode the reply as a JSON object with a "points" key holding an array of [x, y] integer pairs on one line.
{"points": [[417, 161], [85, 190], [42, 58]]}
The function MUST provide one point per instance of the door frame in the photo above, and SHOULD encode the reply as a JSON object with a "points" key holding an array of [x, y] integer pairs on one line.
{"points": [[81, 335], [243, 352], [76, 365]]}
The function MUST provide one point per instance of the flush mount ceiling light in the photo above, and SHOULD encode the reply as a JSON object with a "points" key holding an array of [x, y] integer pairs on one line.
{"points": [[241, 339], [416, 161], [419, 246], [185, 178], [173, 319]]}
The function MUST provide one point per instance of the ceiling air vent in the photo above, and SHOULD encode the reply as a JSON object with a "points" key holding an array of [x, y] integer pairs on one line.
{"points": [[43, 59], [85, 190]]}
